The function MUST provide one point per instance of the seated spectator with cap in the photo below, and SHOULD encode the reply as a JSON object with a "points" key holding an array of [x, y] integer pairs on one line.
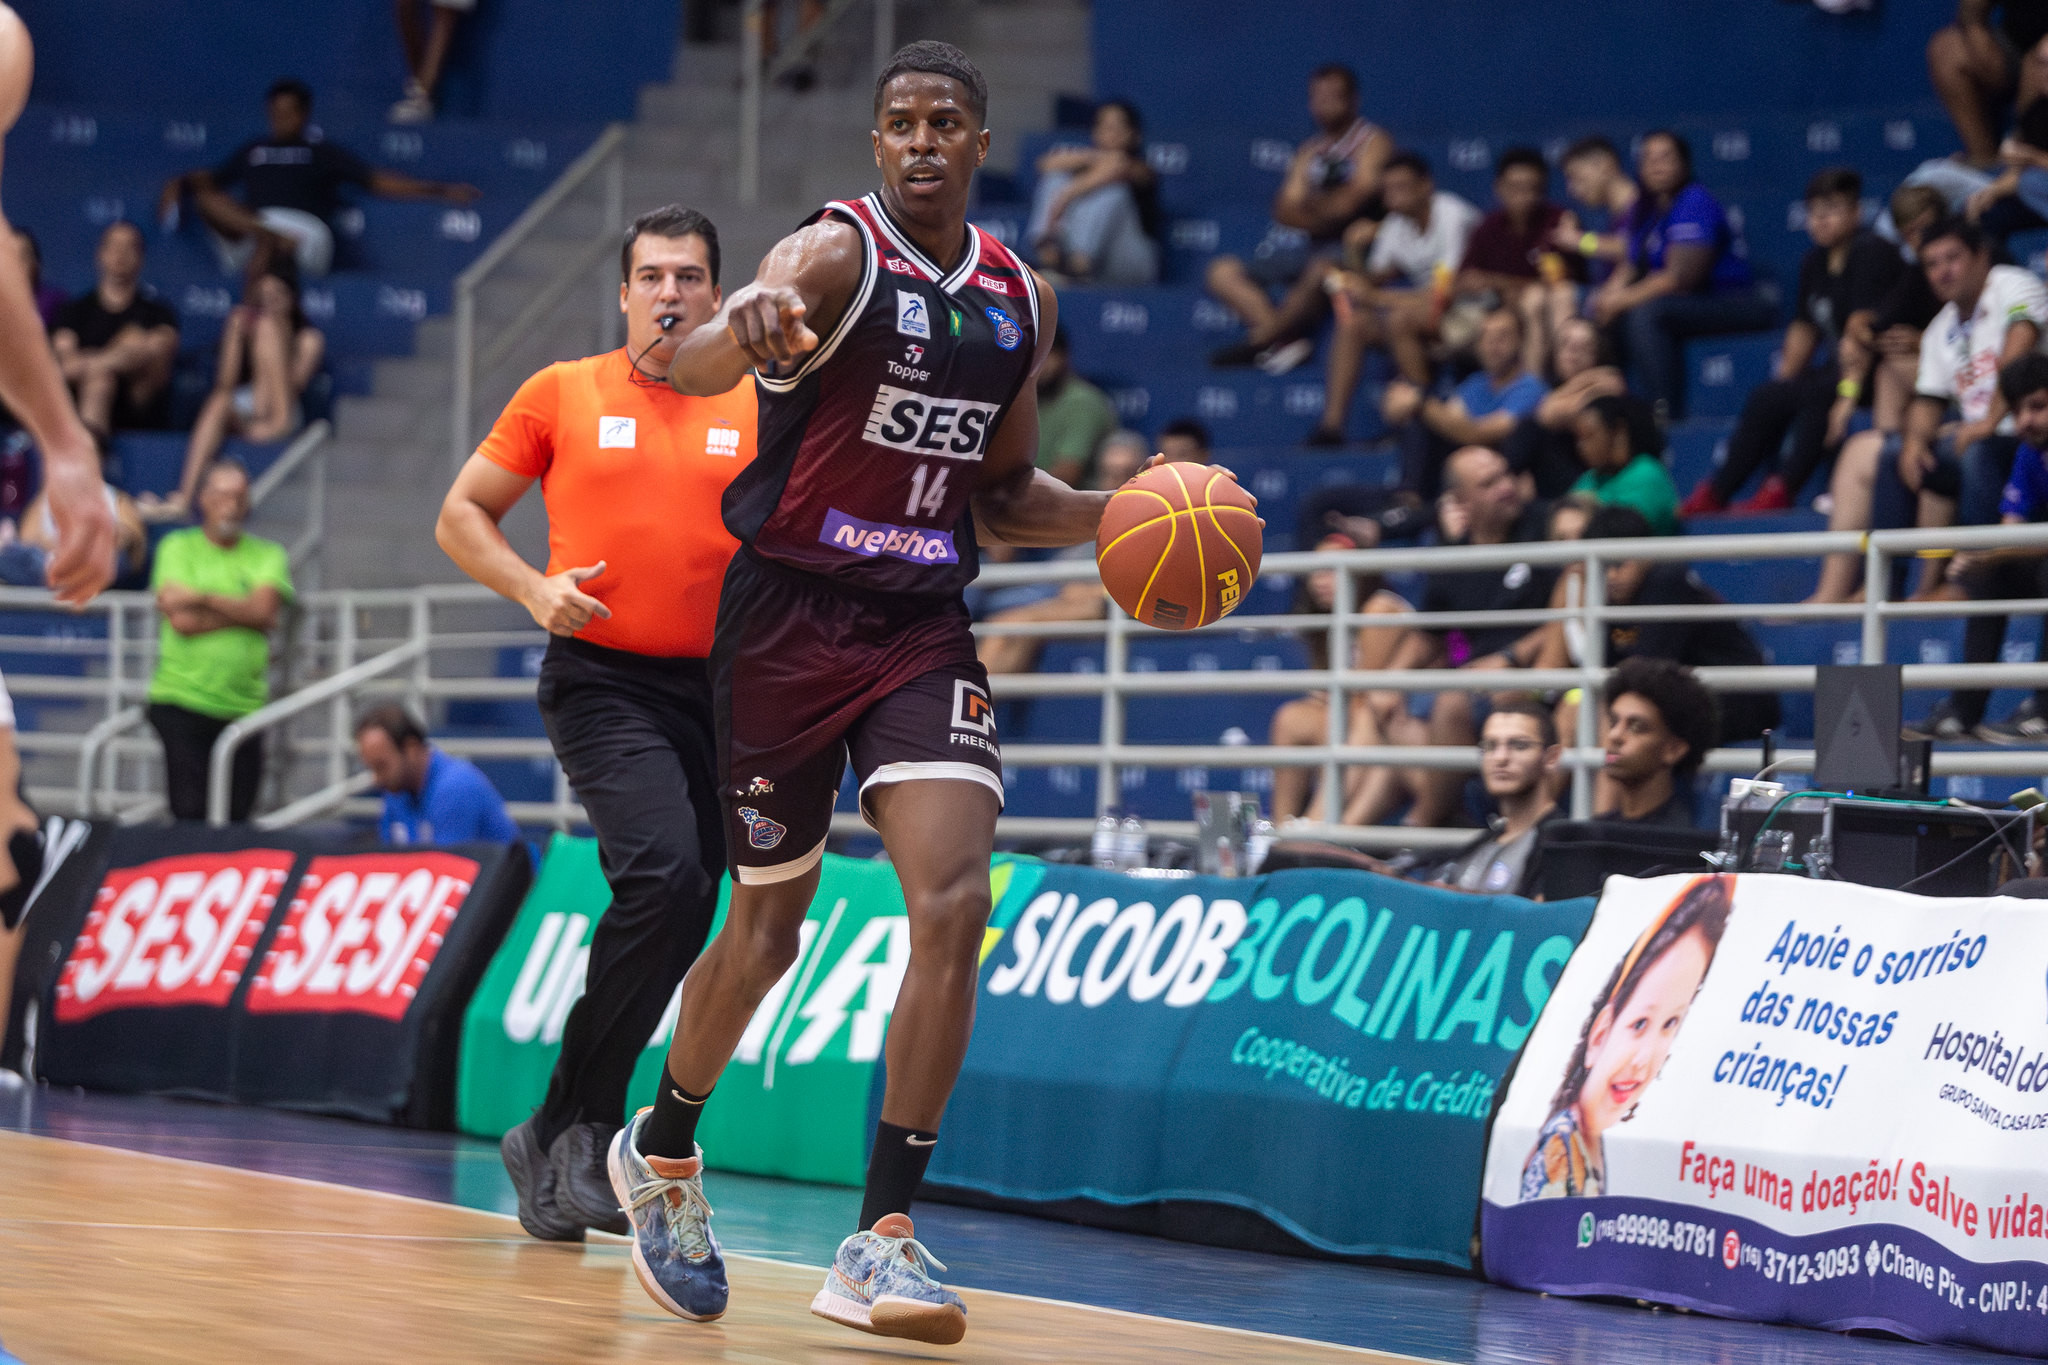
{"points": [[430, 797], [290, 185], [1615, 440], [116, 343], [1074, 417], [1660, 724]]}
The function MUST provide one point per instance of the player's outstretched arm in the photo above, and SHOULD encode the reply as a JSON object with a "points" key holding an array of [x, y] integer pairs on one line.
{"points": [[796, 298], [31, 386], [1015, 501]]}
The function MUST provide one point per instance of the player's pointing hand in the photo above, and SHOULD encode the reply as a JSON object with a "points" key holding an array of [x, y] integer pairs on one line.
{"points": [[767, 322], [561, 607]]}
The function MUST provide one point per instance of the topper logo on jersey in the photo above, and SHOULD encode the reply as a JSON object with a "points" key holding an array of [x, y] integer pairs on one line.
{"points": [[912, 317], [950, 428], [361, 934], [762, 832], [177, 931]]}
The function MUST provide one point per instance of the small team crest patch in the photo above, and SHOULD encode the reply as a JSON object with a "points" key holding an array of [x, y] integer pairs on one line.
{"points": [[762, 832], [1007, 332]]}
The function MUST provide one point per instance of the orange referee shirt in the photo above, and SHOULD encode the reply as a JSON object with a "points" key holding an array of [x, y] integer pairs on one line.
{"points": [[632, 473]]}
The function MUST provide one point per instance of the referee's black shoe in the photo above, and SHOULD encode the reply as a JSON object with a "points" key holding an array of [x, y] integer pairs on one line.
{"points": [[583, 1182], [533, 1179]]}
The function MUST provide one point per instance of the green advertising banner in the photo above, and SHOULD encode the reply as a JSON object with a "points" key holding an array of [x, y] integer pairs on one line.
{"points": [[793, 1103]]}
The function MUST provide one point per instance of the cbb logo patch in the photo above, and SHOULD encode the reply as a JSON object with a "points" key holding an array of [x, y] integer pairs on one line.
{"points": [[762, 832]]}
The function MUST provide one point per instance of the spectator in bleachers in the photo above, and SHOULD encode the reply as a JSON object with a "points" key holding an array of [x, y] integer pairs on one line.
{"points": [[269, 352], [1518, 758], [1694, 643], [27, 546], [1481, 411], [220, 591], [1976, 69], [1394, 293], [1883, 347], [1849, 272], [1543, 444], [426, 53], [1933, 469], [1074, 417], [2016, 199], [1332, 182], [1305, 721], [1595, 179], [1183, 441], [1495, 508], [1095, 215], [1687, 274], [1661, 722], [2001, 575], [117, 343], [1120, 457], [1511, 260], [290, 184], [1615, 444], [430, 797], [49, 298]]}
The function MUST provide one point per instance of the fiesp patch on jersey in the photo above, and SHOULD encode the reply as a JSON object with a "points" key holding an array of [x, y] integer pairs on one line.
{"points": [[948, 428]]}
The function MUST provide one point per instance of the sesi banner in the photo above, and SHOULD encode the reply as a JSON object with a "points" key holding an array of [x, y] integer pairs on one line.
{"points": [[1797, 1101], [1301, 1045]]}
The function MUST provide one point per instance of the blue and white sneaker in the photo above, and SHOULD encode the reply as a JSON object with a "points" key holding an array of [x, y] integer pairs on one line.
{"points": [[674, 1253], [878, 1283]]}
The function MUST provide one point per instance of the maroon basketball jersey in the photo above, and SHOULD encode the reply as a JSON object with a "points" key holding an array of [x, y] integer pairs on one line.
{"points": [[868, 450]]}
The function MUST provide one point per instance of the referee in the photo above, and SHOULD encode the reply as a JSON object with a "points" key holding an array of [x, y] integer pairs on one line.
{"points": [[632, 474]]}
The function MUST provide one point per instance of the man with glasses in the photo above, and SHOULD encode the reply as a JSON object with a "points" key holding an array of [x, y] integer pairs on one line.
{"points": [[1518, 758]]}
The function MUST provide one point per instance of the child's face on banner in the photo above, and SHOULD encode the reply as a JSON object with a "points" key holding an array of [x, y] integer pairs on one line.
{"points": [[1629, 1043]]}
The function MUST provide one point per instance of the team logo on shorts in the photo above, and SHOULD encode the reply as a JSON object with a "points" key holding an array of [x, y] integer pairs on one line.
{"points": [[761, 831], [759, 786], [972, 710], [1007, 333]]}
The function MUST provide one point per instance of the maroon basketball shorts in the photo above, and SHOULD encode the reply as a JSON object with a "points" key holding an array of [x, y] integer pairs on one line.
{"points": [[807, 676]]}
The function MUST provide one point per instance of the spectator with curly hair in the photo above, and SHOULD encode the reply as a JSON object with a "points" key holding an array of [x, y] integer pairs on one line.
{"points": [[1660, 723]]}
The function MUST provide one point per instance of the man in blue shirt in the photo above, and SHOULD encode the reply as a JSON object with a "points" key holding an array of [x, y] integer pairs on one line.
{"points": [[2001, 575], [429, 797], [1481, 411]]}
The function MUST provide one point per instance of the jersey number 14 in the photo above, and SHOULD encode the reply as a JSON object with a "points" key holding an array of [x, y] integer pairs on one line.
{"points": [[927, 492]]}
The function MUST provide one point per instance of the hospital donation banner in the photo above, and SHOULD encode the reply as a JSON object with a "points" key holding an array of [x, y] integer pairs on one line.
{"points": [[1793, 1101], [1321, 1048]]}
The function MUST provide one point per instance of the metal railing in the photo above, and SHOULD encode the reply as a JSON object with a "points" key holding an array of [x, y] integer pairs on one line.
{"points": [[446, 645], [554, 209], [755, 75], [304, 461]]}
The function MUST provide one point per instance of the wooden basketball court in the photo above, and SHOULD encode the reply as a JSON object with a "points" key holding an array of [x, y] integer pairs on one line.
{"points": [[112, 1256]]}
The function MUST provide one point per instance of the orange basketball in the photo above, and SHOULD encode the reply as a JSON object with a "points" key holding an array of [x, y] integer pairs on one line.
{"points": [[1179, 546]]}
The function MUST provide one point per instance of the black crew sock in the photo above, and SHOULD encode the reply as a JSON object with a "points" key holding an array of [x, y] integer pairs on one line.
{"points": [[894, 1169], [671, 1130]]}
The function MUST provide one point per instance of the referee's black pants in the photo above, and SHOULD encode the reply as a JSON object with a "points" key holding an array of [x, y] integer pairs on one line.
{"points": [[634, 735]]}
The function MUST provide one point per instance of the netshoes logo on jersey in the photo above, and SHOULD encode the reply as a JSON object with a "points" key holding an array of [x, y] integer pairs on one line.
{"points": [[361, 933], [1366, 967], [948, 428], [913, 544], [177, 931]]}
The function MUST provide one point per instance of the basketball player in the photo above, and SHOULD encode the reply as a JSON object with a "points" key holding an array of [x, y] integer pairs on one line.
{"points": [[34, 391], [632, 473], [895, 347]]}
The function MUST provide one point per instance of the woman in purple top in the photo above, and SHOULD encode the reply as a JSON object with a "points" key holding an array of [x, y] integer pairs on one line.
{"points": [[1687, 275]]}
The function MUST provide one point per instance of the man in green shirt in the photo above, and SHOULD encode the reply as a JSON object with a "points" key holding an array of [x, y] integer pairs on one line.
{"points": [[220, 591], [1074, 417], [1619, 474]]}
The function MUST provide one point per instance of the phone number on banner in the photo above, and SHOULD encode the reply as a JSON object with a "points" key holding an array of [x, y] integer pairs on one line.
{"points": [[1638, 1229]]}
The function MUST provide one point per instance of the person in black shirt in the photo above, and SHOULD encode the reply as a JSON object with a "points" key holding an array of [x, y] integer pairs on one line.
{"points": [[1848, 271], [1689, 641], [1883, 347], [290, 186], [116, 345], [1660, 724]]}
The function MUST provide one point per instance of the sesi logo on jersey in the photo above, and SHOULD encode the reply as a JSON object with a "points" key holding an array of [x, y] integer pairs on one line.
{"points": [[950, 428], [361, 934], [177, 931]]}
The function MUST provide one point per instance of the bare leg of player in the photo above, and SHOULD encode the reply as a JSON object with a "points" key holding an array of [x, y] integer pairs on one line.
{"points": [[735, 973]]}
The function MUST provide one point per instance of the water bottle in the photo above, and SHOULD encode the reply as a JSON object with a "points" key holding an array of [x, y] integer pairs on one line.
{"points": [[1130, 844], [1257, 846], [1102, 849]]}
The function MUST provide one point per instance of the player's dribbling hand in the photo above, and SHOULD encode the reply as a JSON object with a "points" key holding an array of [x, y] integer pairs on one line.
{"points": [[767, 322], [561, 607], [1226, 471]]}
